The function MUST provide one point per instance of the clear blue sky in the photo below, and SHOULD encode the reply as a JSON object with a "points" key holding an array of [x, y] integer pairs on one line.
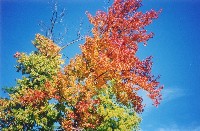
{"points": [[175, 48]]}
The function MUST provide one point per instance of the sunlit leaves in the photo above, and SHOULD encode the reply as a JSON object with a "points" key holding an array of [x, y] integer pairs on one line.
{"points": [[116, 35], [28, 106], [98, 89], [115, 115], [46, 46]]}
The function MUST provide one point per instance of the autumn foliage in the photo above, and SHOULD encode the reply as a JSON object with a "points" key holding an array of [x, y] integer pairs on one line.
{"points": [[98, 89]]}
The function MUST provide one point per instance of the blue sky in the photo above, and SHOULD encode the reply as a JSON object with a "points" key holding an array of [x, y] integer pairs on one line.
{"points": [[175, 50]]}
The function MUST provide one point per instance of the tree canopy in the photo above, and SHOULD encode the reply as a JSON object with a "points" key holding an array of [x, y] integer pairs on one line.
{"points": [[98, 89]]}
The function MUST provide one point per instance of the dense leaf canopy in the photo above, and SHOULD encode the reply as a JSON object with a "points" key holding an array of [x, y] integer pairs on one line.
{"points": [[98, 89]]}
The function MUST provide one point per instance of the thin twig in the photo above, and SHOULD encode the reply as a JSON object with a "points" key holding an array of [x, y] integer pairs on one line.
{"points": [[72, 42]]}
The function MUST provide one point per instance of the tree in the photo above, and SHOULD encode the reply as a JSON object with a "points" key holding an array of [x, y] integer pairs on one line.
{"points": [[98, 89]]}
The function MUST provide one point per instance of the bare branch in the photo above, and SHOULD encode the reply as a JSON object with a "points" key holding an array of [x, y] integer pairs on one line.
{"points": [[56, 18], [72, 42]]}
